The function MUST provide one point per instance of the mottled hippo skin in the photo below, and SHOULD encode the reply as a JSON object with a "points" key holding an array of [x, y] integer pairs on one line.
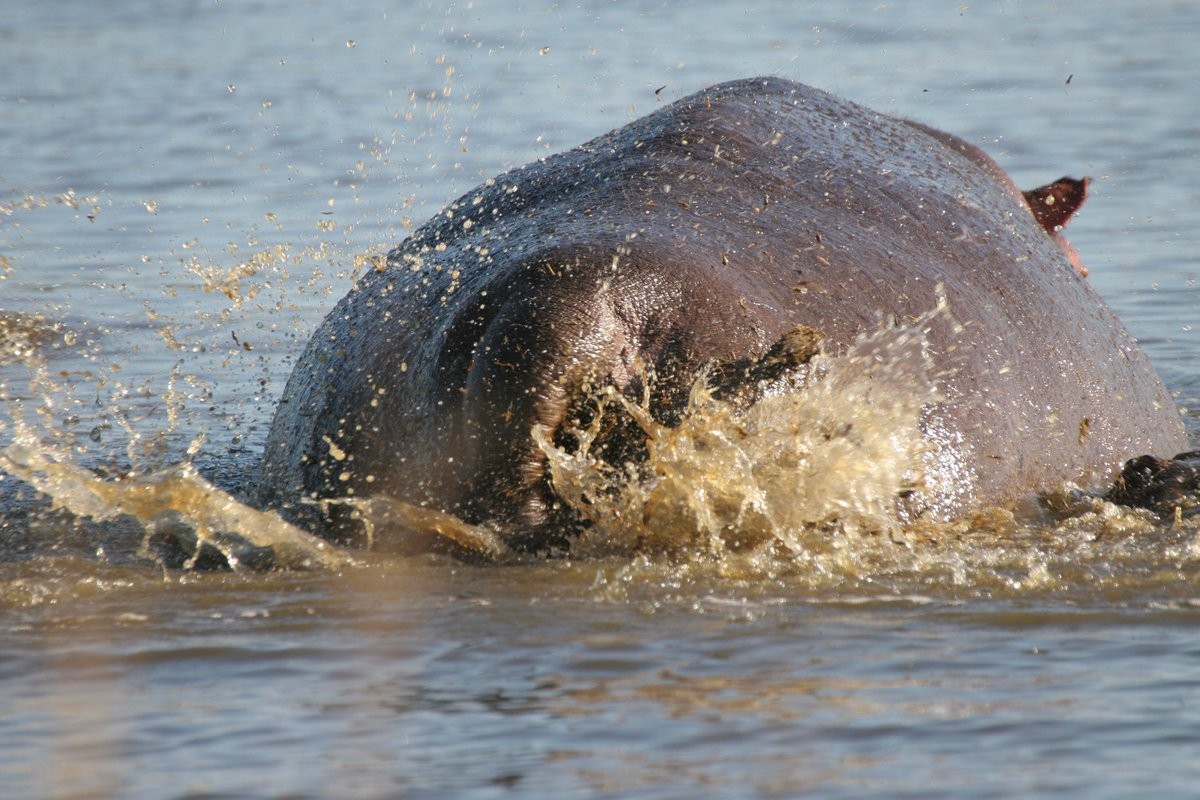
{"points": [[702, 233]]}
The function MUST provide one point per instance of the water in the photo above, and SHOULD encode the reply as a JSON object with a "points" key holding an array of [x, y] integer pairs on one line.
{"points": [[187, 190]]}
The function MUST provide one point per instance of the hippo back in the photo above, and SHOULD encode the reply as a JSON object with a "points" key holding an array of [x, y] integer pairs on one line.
{"points": [[704, 232]]}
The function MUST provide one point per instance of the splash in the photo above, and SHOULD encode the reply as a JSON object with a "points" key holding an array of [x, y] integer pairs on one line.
{"points": [[815, 488], [115, 436], [807, 486], [394, 526], [187, 520], [179, 509], [796, 470]]}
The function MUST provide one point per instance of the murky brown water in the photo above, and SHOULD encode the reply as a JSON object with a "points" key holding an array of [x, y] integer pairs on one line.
{"points": [[186, 192]]}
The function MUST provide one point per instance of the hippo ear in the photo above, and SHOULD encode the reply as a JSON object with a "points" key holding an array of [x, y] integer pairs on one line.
{"points": [[1054, 204]]}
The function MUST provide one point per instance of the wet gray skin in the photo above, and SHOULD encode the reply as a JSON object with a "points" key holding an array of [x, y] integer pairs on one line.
{"points": [[706, 233]]}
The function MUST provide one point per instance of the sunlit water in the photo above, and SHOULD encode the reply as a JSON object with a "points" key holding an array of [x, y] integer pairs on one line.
{"points": [[186, 192]]}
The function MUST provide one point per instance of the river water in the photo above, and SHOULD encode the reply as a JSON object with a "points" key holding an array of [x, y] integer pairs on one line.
{"points": [[187, 188]]}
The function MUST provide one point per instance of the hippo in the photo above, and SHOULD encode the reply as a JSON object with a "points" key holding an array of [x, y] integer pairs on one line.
{"points": [[738, 230]]}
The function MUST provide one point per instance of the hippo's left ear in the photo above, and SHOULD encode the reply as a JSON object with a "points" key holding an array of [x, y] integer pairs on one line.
{"points": [[1054, 204]]}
